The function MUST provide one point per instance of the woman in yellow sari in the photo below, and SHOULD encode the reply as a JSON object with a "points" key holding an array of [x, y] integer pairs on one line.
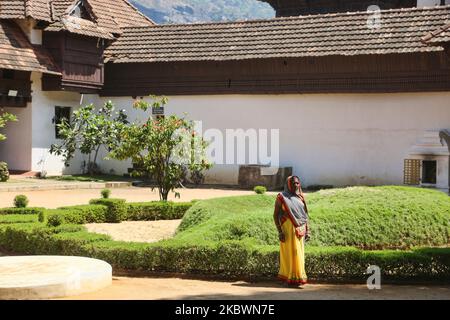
{"points": [[291, 219]]}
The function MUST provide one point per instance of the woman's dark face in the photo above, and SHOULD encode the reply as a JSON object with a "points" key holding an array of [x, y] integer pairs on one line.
{"points": [[296, 183]]}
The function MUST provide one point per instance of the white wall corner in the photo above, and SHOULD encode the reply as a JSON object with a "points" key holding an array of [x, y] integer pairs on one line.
{"points": [[429, 3], [33, 34]]}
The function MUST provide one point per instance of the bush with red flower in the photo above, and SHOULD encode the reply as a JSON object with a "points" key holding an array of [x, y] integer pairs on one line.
{"points": [[163, 148]]}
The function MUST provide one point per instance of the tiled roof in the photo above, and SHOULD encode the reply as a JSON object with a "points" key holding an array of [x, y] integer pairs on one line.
{"points": [[20, 9], [12, 9], [110, 17], [80, 26], [17, 53], [119, 12], [438, 36], [60, 6], [38, 9], [400, 31]]}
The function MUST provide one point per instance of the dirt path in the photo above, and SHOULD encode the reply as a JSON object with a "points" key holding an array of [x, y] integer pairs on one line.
{"points": [[58, 198], [137, 231], [182, 289]]}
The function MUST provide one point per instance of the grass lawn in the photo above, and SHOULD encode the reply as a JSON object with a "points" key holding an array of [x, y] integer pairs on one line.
{"points": [[363, 217]]}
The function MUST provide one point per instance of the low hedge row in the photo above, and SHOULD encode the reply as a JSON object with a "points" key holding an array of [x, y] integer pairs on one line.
{"points": [[18, 218], [148, 211], [75, 215], [229, 258], [8, 211], [108, 211], [117, 209]]}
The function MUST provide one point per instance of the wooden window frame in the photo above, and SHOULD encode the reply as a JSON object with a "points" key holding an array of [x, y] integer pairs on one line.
{"points": [[422, 171], [412, 172], [58, 118]]}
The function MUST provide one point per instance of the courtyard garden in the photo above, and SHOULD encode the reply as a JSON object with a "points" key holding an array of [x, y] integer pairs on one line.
{"points": [[405, 231]]}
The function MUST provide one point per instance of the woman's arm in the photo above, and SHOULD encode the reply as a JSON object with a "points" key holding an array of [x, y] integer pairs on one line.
{"points": [[277, 221], [308, 234]]}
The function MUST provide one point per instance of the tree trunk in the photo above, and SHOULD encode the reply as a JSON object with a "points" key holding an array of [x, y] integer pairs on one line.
{"points": [[92, 165], [89, 164]]}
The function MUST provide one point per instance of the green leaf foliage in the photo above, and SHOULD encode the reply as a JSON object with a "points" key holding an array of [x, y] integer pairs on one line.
{"points": [[17, 211], [117, 209], [163, 148], [21, 201], [5, 117], [4, 172], [89, 130]]}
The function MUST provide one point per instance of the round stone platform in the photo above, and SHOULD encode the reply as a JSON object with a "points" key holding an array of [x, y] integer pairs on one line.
{"points": [[44, 277]]}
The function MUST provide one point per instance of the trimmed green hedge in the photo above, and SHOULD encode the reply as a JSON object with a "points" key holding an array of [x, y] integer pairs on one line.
{"points": [[117, 209], [114, 211], [235, 259], [6, 211], [75, 215], [18, 218], [157, 210]]}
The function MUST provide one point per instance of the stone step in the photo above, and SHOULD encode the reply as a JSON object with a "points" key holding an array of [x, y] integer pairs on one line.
{"points": [[12, 187], [46, 277]]}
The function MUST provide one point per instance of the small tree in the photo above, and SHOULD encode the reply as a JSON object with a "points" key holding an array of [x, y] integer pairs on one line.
{"points": [[162, 148], [89, 131], [4, 118]]}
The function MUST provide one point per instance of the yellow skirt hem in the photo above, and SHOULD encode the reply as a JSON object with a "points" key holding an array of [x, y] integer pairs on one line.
{"points": [[292, 281]]}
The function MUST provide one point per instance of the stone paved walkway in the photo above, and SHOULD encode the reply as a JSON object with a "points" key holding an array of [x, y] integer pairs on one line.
{"points": [[183, 289], [20, 185]]}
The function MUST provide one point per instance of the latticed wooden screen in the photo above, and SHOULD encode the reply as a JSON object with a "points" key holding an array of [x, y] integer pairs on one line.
{"points": [[412, 172]]}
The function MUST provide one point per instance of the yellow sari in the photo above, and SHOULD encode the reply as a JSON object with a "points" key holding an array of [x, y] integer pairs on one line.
{"points": [[292, 255]]}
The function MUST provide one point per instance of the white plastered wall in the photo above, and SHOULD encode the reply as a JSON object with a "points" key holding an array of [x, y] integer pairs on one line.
{"points": [[430, 3], [333, 139], [43, 129], [33, 34], [16, 149]]}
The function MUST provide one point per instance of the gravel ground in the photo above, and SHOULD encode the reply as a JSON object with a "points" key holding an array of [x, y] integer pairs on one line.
{"points": [[183, 289], [59, 198], [137, 231]]}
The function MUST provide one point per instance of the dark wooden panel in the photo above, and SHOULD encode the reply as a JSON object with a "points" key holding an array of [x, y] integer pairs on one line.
{"points": [[381, 73], [80, 59], [411, 172], [18, 81], [285, 8]]}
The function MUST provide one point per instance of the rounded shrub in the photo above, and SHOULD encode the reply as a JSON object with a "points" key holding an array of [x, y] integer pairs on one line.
{"points": [[106, 193], [42, 216], [21, 201], [55, 220], [117, 209], [260, 189], [4, 172]]}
